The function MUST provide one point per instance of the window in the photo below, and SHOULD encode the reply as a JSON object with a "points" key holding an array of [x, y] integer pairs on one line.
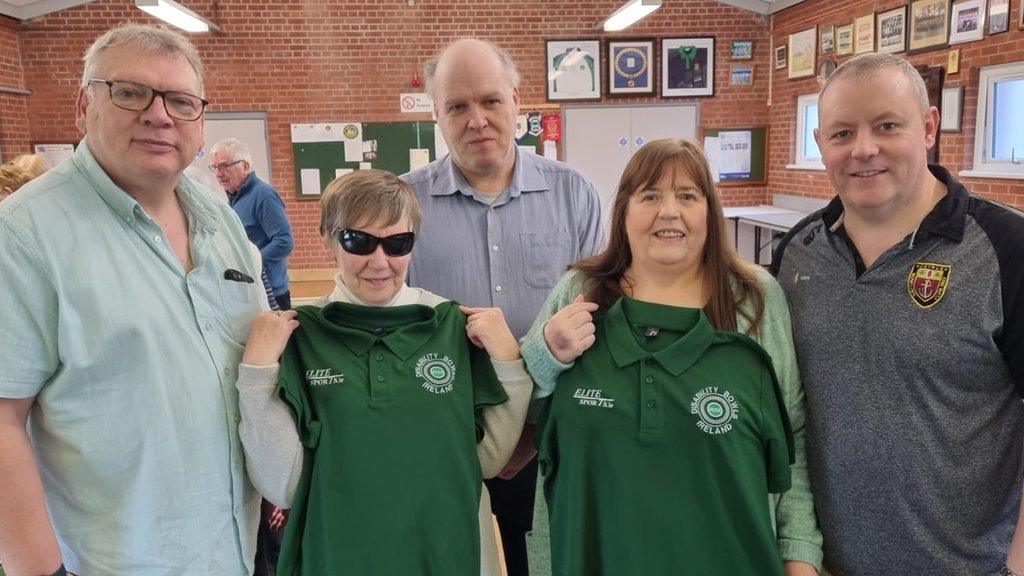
{"points": [[999, 138], [808, 157]]}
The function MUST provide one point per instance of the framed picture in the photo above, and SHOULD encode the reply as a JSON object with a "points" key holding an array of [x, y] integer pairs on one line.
{"points": [[1020, 21], [998, 16], [803, 48], [574, 69], [687, 67], [864, 34], [967, 22], [844, 40], [952, 108], [741, 75], [780, 57], [742, 49], [892, 30], [631, 67], [929, 25], [827, 39], [953, 61], [825, 69]]}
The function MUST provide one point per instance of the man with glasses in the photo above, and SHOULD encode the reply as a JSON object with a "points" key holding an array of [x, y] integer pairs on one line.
{"points": [[126, 293], [261, 210], [499, 228]]}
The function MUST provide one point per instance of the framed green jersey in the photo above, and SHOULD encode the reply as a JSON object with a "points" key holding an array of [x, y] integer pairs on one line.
{"points": [[386, 402], [659, 449]]}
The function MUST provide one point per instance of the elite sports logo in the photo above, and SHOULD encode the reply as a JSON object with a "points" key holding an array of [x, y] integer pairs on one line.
{"points": [[927, 283], [323, 377], [715, 410], [593, 397], [438, 374]]}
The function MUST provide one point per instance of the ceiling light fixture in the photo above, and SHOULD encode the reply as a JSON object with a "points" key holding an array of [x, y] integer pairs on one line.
{"points": [[175, 14], [630, 13]]}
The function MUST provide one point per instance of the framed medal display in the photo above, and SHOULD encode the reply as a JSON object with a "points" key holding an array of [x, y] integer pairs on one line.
{"points": [[631, 67]]}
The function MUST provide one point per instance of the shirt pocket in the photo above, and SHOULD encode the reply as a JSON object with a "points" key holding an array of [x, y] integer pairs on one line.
{"points": [[545, 257], [239, 305]]}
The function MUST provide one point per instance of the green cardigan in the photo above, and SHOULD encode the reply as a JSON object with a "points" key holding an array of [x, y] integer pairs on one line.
{"points": [[799, 538]]}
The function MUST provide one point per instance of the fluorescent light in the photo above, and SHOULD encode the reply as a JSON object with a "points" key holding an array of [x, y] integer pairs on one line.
{"points": [[630, 13], [175, 14]]}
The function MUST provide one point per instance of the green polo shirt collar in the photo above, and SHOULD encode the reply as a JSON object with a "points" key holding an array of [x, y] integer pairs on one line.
{"points": [[675, 358], [199, 205], [403, 329]]}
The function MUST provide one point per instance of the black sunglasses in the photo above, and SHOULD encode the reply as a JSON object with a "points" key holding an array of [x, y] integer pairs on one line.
{"points": [[360, 243]]}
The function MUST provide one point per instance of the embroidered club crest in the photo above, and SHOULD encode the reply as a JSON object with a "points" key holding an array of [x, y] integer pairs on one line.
{"points": [[927, 283], [438, 373], [715, 410]]}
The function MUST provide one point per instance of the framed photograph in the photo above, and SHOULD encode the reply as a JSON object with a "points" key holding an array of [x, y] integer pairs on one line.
{"points": [[803, 49], [998, 16], [574, 69], [827, 39], [953, 61], [892, 30], [1020, 21], [780, 57], [844, 40], [687, 67], [952, 109], [929, 25], [631, 67], [967, 23], [825, 69], [742, 49], [864, 34], [741, 75]]}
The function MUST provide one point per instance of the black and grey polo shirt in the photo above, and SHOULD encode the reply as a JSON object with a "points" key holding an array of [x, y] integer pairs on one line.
{"points": [[913, 369]]}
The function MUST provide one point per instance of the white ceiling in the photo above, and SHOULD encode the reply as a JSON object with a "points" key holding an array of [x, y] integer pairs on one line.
{"points": [[761, 6], [25, 9]]}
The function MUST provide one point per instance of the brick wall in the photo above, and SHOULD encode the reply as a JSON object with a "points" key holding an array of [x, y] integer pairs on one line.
{"points": [[332, 61], [956, 150], [14, 126]]}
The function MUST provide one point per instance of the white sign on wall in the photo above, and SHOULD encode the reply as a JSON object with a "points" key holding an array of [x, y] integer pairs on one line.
{"points": [[415, 103]]}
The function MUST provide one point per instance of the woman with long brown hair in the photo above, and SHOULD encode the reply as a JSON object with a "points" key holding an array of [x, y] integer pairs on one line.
{"points": [[669, 427]]}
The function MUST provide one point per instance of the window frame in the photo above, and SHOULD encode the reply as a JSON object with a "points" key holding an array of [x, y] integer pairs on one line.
{"points": [[801, 162], [984, 165]]}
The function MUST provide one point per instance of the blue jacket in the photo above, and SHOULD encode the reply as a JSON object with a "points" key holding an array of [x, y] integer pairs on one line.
{"points": [[266, 224]]}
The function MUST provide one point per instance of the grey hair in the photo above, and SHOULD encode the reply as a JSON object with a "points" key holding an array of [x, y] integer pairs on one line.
{"points": [[237, 149], [509, 65], [366, 197], [866, 65], [147, 38]]}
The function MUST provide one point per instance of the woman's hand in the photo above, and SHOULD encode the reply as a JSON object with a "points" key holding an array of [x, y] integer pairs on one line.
{"points": [[571, 330], [268, 337], [487, 329]]}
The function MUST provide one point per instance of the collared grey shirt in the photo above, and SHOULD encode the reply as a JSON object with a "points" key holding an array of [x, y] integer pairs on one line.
{"points": [[509, 253]]}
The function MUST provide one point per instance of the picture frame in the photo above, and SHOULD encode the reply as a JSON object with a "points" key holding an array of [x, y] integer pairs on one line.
{"points": [[687, 67], [803, 50], [953, 61], [998, 16], [1020, 17], [952, 109], [742, 49], [632, 64], [844, 40], [573, 69], [827, 39], [929, 25], [967, 21], [864, 34], [892, 30], [781, 59], [741, 75]]}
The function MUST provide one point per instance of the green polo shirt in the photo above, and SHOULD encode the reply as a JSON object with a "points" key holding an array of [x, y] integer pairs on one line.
{"points": [[659, 447], [387, 402]]}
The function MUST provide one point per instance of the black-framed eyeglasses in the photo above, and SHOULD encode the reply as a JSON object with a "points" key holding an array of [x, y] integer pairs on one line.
{"points": [[224, 165], [361, 244], [138, 97]]}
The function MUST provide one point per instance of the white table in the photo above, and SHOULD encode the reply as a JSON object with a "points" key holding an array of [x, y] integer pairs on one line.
{"points": [[779, 220]]}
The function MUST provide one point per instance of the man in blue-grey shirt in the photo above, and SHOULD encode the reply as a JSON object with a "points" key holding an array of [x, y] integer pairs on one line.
{"points": [[500, 225], [261, 210], [126, 294]]}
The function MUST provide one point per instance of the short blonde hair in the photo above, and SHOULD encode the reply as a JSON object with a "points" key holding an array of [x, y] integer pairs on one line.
{"points": [[366, 197], [17, 172]]}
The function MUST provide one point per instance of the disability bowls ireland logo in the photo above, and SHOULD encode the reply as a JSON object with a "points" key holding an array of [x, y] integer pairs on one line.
{"points": [[715, 410], [438, 374]]}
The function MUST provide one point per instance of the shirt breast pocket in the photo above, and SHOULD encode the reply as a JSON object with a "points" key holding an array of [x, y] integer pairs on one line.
{"points": [[545, 257], [239, 305]]}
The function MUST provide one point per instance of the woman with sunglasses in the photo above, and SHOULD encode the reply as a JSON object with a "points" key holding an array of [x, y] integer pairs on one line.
{"points": [[388, 406]]}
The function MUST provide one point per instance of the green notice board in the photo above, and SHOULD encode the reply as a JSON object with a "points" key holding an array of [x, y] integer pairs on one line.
{"points": [[758, 157]]}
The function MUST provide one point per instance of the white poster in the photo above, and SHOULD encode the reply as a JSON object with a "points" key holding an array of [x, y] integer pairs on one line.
{"points": [[55, 153], [310, 181], [734, 155]]}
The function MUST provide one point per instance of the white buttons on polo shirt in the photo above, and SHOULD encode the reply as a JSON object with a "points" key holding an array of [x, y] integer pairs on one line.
{"points": [[497, 288], [495, 247]]}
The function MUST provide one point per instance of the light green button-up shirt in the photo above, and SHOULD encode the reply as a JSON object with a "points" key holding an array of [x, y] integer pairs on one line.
{"points": [[133, 364]]}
